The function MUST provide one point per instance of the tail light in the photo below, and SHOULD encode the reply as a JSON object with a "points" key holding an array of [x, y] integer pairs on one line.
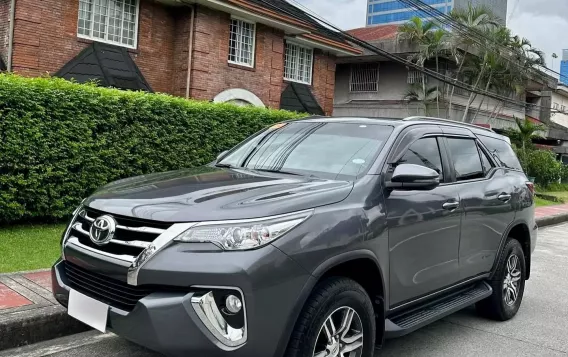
{"points": [[530, 186]]}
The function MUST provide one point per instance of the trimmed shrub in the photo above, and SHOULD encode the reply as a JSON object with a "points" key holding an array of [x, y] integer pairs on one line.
{"points": [[543, 165], [62, 140]]}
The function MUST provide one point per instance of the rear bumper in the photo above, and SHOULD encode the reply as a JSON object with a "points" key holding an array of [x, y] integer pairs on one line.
{"points": [[167, 322]]}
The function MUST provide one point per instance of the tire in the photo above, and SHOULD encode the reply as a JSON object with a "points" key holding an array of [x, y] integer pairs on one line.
{"points": [[334, 297], [499, 306]]}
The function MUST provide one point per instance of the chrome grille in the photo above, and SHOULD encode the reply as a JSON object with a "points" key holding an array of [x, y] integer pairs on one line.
{"points": [[132, 236]]}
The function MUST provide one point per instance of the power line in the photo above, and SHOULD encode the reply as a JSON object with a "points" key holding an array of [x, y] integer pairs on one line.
{"points": [[472, 33], [442, 78]]}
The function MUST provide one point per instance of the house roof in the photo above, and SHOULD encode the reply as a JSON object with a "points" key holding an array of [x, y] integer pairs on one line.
{"points": [[317, 31], [110, 66], [285, 8], [375, 33], [299, 98]]}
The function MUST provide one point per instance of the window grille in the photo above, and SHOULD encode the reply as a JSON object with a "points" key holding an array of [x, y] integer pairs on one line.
{"points": [[298, 63], [242, 43], [110, 21], [364, 77]]}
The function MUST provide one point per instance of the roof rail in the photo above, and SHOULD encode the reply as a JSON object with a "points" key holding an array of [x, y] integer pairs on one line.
{"points": [[446, 121]]}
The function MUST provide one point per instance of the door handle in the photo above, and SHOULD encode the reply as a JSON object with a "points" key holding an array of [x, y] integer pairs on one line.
{"points": [[504, 197], [451, 206]]}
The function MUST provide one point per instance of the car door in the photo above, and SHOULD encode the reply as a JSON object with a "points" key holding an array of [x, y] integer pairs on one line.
{"points": [[424, 226], [485, 196]]}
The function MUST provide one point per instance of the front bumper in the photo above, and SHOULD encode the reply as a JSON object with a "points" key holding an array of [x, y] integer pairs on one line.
{"points": [[168, 323]]}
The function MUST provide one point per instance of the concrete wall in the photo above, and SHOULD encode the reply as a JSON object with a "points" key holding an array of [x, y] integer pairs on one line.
{"points": [[388, 100], [561, 100]]}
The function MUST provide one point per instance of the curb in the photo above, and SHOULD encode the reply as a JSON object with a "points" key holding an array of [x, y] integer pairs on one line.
{"points": [[37, 325], [551, 220]]}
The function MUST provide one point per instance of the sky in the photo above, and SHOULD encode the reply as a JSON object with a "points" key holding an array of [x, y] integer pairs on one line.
{"points": [[543, 22]]}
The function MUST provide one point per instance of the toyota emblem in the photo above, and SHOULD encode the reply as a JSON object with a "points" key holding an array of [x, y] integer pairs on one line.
{"points": [[102, 230]]}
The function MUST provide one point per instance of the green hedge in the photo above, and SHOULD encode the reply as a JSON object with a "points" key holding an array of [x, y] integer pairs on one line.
{"points": [[62, 140]]}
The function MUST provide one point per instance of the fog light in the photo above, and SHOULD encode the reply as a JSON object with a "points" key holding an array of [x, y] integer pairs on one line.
{"points": [[233, 304]]}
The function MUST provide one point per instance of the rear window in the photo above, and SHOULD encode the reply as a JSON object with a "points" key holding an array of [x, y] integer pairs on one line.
{"points": [[502, 151]]}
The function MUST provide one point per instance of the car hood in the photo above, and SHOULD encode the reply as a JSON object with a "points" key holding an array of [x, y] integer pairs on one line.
{"points": [[210, 193]]}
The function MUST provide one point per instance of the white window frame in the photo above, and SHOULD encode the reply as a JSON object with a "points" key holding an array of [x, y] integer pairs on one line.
{"points": [[120, 44], [244, 64], [368, 67], [311, 72]]}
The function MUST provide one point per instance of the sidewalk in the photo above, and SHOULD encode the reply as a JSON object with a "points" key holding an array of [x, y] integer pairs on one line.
{"points": [[29, 313], [551, 210]]}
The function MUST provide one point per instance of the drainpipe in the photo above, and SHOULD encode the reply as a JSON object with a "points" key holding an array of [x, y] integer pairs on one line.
{"points": [[11, 34], [190, 51]]}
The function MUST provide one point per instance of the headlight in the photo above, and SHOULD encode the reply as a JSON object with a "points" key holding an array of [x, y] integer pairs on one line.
{"points": [[243, 234]]}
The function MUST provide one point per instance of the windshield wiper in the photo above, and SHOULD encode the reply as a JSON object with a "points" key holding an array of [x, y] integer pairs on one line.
{"points": [[279, 172], [225, 166]]}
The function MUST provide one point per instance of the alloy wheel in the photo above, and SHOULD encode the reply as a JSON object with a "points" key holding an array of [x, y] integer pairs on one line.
{"points": [[341, 335], [511, 284]]}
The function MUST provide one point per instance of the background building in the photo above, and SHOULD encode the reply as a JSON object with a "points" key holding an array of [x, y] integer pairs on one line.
{"points": [[564, 68], [248, 53], [381, 12]]}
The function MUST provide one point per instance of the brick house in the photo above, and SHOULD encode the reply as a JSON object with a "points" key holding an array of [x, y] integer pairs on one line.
{"points": [[261, 52]]}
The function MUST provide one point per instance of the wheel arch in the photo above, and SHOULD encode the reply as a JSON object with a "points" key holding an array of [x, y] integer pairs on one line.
{"points": [[345, 265], [520, 231]]}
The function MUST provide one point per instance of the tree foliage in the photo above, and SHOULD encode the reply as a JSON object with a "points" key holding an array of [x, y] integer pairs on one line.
{"points": [[496, 62], [62, 140]]}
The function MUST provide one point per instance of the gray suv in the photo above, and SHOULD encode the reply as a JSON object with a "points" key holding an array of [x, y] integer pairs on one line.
{"points": [[319, 237]]}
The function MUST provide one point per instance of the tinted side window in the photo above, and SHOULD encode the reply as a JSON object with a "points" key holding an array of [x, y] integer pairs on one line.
{"points": [[424, 152], [502, 151], [465, 156]]}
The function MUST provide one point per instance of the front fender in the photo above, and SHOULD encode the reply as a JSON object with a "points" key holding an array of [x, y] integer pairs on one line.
{"points": [[317, 274]]}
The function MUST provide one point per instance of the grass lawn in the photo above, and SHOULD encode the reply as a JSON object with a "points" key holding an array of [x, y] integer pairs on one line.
{"points": [[29, 247], [561, 194], [542, 202]]}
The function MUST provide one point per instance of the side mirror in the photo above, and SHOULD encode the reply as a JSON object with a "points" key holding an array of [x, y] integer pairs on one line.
{"points": [[413, 177], [221, 155]]}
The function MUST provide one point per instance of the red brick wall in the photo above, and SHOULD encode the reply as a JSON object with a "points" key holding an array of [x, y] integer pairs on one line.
{"points": [[4, 26], [323, 84], [45, 38], [181, 50], [212, 73]]}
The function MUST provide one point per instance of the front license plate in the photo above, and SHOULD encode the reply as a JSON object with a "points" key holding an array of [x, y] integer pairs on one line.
{"points": [[87, 310]]}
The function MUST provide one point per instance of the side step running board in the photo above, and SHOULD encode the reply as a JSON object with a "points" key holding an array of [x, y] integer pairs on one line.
{"points": [[407, 322]]}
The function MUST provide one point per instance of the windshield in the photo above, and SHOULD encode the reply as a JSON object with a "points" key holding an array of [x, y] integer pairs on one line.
{"points": [[327, 150]]}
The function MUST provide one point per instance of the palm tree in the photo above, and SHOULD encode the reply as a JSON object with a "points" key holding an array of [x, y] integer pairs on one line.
{"points": [[426, 96], [430, 40], [479, 18], [489, 64], [523, 135]]}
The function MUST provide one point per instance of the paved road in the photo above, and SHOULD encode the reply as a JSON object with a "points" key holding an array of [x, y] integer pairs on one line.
{"points": [[540, 328]]}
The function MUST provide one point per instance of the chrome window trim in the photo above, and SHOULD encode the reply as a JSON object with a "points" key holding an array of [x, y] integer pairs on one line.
{"points": [[209, 321]]}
